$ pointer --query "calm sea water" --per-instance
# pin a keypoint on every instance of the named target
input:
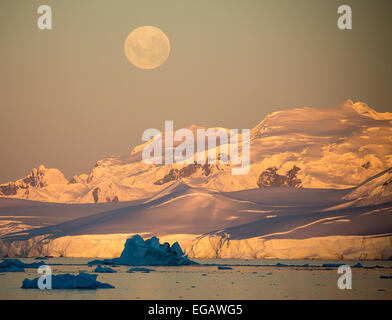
(248, 279)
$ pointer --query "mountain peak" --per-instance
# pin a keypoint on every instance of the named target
(38, 178)
(348, 103)
(364, 110)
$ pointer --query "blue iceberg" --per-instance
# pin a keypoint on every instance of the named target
(138, 252)
(143, 270)
(69, 281)
(15, 265)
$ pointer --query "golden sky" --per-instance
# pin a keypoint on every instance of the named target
(70, 97)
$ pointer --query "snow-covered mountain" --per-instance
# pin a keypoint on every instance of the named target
(275, 222)
(319, 186)
(375, 190)
(335, 147)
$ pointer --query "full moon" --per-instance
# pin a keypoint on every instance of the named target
(147, 47)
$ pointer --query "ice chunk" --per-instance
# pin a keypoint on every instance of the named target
(332, 265)
(224, 268)
(144, 270)
(138, 252)
(104, 270)
(15, 265)
(281, 265)
(358, 265)
(69, 281)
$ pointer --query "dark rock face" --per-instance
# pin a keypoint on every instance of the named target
(95, 193)
(175, 174)
(387, 183)
(73, 181)
(366, 165)
(34, 179)
(270, 178)
(9, 189)
(90, 178)
(114, 199)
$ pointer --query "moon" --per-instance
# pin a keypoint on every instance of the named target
(147, 47)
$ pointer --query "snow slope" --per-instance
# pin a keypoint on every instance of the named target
(335, 148)
(375, 190)
(284, 223)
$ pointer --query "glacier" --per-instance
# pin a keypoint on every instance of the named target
(275, 223)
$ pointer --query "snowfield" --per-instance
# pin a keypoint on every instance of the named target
(319, 187)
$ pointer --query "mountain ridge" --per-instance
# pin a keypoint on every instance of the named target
(337, 147)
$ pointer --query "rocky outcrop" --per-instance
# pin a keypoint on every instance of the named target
(366, 165)
(270, 178)
(113, 199)
(108, 195)
(175, 174)
(9, 189)
(95, 194)
(38, 178)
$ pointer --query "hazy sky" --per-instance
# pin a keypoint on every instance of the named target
(69, 96)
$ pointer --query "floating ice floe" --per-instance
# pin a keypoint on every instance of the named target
(15, 265)
(332, 265)
(70, 281)
(138, 252)
(143, 270)
(101, 269)
(306, 265)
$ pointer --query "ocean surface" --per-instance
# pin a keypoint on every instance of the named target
(248, 279)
